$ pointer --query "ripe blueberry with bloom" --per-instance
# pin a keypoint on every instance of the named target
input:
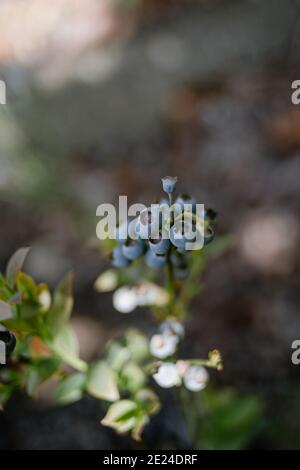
(182, 233)
(182, 273)
(185, 202)
(155, 261)
(160, 244)
(149, 222)
(119, 260)
(169, 184)
(165, 232)
(133, 249)
(208, 236)
(179, 259)
(121, 232)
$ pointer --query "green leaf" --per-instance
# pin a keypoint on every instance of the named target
(60, 312)
(219, 246)
(5, 394)
(39, 371)
(15, 264)
(5, 311)
(28, 310)
(101, 382)
(117, 355)
(118, 412)
(33, 380)
(6, 292)
(139, 427)
(65, 345)
(26, 285)
(133, 377)
(231, 420)
(137, 344)
(148, 400)
(125, 416)
(16, 299)
(70, 389)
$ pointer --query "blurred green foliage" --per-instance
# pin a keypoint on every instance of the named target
(223, 419)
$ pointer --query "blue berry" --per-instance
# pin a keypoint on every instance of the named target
(208, 235)
(182, 251)
(178, 259)
(133, 249)
(180, 263)
(184, 199)
(118, 258)
(181, 233)
(172, 327)
(210, 218)
(164, 201)
(149, 221)
(122, 232)
(169, 184)
(155, 261)
(210, 215)
(182, 273)
(160, 245)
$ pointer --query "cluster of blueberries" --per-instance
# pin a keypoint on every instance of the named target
(159, 237)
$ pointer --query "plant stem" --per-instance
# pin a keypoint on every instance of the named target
(170, 282)
(171, 286)
(188, 415)
(171, 212)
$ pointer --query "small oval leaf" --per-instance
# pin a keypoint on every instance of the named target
(65, 345)
(102, 383)
(15, 263)
(70, 389)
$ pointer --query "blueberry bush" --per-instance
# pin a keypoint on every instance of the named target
(157, 272)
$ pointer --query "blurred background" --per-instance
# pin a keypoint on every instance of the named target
(104, 97)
